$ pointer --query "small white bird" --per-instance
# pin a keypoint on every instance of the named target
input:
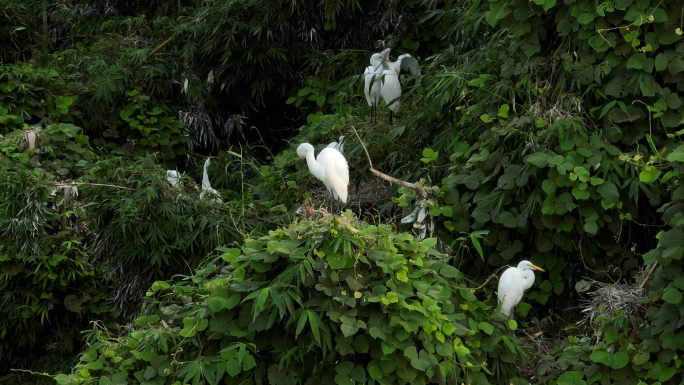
(339, 146)
(173, 177)
(372, 82)
(513, 283)
(206, 186)
(330, 167)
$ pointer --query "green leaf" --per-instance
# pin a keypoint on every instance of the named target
(649, 174)
(231, 255)
(485, 327)
(679, 282)
(591, 227)
(586, 18)
(538, 159)
(672, 296)
(609, 192)
(620, 360)
(160, 285)
(62, 379)
(602, 357)
(448, 328)
(677, 154)
(260, 302)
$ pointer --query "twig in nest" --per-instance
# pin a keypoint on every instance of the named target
(388, 178)
(309, 210)
(609, 298)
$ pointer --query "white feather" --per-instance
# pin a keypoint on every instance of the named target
(330, 167)
(513, 283)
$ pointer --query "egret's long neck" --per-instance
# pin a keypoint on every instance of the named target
(528, 276)
(315, 168)
(205, 176)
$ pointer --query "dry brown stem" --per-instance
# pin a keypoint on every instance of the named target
(648, 276)
(160, 46)
(388, 178)
(90, 184)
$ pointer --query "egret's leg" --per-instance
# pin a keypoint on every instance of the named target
(390, 119)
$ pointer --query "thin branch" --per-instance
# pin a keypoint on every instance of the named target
(388, 178)
(364, 147)
(160, 46)
(648, 276)
(91, 184)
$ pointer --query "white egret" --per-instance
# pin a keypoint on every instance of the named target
(339, 146)
(390, 89)
(330, 167)
(372, 81)
(206, 186)
(173, 177)
(513, 283)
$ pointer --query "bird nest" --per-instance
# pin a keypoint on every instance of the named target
(371, 195)
(608, 299)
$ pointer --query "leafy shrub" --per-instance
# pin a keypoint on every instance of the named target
(50, 290)
(314, 302)
(33, 95)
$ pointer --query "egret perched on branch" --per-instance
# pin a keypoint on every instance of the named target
(513, 283)
(372, 81)
(389, 87)
(390, 90)
(339, 146)
(330, 167)
(206, 186)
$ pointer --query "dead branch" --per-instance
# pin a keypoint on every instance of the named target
(63, 184)
(648, 276)
(388, 178)
(160, 46)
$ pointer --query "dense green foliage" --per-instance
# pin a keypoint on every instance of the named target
(330, 301)
(541, 130)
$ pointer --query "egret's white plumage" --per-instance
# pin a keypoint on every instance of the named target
(388, 87)
(339, 146)
(513, 283)
(206, 186)
(372, 81)
(391, 90)
(173, 177)
(330, 167)
(404, 64)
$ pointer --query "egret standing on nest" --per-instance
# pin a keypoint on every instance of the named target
(330, 167)
(513, 283)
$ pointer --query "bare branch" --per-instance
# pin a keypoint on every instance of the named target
(388, 178)
(90, 184)
(160, 46)
(648, 276)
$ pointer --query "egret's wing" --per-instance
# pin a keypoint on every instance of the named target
(336, 172)
(391, 90)
(409, 64)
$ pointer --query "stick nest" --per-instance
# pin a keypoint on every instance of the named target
(609, 298)
(371, 194)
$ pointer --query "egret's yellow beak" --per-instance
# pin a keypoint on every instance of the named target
(535, 267)
(397, 71)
